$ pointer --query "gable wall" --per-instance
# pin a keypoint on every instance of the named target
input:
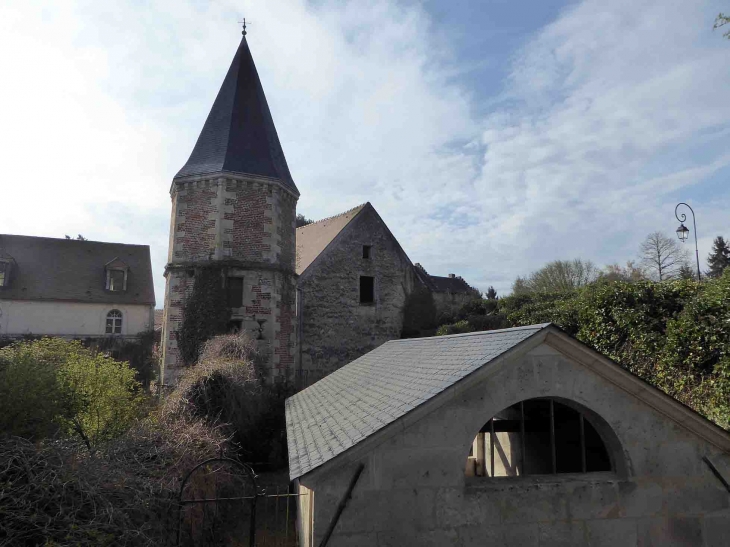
(414, 492)
(335, 327)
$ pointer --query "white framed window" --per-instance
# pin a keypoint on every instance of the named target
(114, 322)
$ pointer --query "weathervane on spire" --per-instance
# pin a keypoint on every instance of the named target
(244, 26)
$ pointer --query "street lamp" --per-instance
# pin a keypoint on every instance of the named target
(683, 231)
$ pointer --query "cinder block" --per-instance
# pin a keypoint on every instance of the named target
(562, 533)
(612, 533)
(663, 531)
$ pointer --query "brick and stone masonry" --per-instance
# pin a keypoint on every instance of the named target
(246, 225)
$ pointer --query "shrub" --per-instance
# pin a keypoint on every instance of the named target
(54, 383)
(226, 390)
(459, 327)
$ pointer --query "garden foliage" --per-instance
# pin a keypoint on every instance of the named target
(52, 386)
(673, 334)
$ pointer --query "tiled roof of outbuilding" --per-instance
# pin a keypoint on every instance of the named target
(373, 391)
(239, 134)
(67, 269)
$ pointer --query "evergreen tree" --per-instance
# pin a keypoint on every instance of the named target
(491, 293)
(719, 258)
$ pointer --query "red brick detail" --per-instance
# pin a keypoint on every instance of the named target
(194, 221)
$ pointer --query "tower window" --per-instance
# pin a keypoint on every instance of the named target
(367, 289)
(114, 322)
(366, 251)
(235, 292)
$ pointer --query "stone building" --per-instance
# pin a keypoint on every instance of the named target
(234, 210)
(74, 289)
(354, 278)
(449, 293)
(520, 437)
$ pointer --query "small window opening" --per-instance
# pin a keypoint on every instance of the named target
(537, 437)
(367, 289)
(235, 292)
(114, 322)
(4, 273)
(235, 326)
(366, 251)
(116, 280)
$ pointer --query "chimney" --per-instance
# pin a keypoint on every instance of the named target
(452, 276)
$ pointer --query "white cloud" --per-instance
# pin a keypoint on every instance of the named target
(588, 149)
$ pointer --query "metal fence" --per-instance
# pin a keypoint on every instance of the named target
(221, 503)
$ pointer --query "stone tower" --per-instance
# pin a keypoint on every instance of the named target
(234, 209)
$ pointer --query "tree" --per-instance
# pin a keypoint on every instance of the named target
(558, 276)
(491, 293)
(662, 256)
(722, 20)
(302, 220)
(77, 238)
(719, 258)
(629, 273)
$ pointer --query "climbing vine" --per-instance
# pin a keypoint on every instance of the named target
(205, 313)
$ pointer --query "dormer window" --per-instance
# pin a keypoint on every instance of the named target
(116, 275)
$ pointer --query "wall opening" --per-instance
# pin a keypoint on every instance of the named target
(538, 437)
(367, 289)
(234, 292)
(366, 251)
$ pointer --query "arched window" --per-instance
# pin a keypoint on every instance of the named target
(537, 437)
(114, 322)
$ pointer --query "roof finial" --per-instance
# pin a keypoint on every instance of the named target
(244, 26)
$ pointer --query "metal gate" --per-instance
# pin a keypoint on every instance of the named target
(221, 503)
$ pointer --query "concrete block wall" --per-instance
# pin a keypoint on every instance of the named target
(246, 226)
(414, 490)
(336, 328)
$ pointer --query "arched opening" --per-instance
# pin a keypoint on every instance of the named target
(540, 437)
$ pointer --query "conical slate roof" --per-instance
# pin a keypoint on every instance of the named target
(239, 135)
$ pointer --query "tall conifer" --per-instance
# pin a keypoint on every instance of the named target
(719, 258)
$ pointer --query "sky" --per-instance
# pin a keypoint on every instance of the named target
(491, 136)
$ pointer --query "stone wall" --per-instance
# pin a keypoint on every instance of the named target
(335, 327)
(245, 225)
(449, 303)
(414, 491)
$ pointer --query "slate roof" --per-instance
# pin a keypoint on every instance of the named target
(239, 134)
(313, 238)
(375, 390)
(66, 269)
(449, 284)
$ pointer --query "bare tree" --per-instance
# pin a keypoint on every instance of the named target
(558, 276)
(662, 257)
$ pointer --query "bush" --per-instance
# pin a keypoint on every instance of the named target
(226, 390)
(57, 493)
(54, 383)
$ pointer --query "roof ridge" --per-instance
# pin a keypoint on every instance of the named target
(538, 326)
(335, 216)
(76, 240)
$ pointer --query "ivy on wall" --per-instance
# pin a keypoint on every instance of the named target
(205, 313)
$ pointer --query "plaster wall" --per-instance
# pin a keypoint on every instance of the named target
(414, 490)
(335, 327)
(74, 319)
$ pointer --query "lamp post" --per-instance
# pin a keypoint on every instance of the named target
(683, 231)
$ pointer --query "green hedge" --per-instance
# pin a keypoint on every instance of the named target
(674, 334)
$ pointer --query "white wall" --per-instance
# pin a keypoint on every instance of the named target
(19, 317)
